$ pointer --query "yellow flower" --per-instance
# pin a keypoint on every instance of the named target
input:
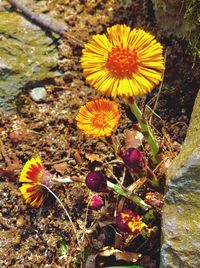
(98, 118)
(32, 176)
(124, 62)
(136, 224)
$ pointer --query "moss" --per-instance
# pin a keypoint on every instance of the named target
(192, 18)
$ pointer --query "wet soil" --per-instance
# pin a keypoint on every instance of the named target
(29, 236)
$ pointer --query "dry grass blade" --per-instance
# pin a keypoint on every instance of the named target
(120, 255)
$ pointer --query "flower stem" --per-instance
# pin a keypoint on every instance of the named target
(62, 180)
(150, 138)
(139, 201)
(66, 212)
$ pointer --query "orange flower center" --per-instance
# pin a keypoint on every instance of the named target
(122, 62)
(99, 121)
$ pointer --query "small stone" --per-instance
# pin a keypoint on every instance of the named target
(23, 221)
(17, 135)
(38, 93)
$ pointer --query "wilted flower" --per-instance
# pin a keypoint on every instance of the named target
(98, 118)
(33, 175)
(154, 198)
(134, 159)
(96, 181)
(96, 202)
(129, 222)
(124, 62)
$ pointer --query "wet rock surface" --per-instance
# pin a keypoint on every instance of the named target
(181, 229)
(27, 55)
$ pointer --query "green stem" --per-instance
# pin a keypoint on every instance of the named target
(150, 138)
(139, 201)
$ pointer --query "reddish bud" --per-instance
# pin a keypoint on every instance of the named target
(96, 202)
(122, 220)
(133, 158)
(96, 181)
(129, 222)
(154, 199)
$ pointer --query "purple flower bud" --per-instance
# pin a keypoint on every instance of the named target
(96, 181)
(96, 202)
(133, 158)
(129, 222)
(122, 220)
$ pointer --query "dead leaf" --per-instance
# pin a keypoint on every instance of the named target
(77, 155)
(120, 255)
(118, 240)
(127, 256)
(93, 157)
(61, 168)
(133, 138)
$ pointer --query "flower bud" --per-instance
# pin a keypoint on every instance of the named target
(133, 158)
(96, 202)
(122, 220)
(155, 199)
(96, 181)
(129, 222)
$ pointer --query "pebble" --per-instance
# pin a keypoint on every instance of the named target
(38, 93)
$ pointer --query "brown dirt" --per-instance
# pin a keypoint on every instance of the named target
(29, 236)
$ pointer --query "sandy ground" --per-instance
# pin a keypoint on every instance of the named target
(29, 236)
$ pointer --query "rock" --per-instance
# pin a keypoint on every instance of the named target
(181, 217)
(180, 18)
(27, 54)
(38, 93)
(169, 15)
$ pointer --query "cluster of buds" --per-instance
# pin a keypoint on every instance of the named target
(96, 182)
(154, 199)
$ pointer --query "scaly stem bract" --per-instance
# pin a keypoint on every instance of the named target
(150, 138)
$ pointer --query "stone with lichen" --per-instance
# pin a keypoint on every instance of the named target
(181, 218)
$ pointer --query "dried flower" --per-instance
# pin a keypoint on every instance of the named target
(154, 199)
(134, 159)
(124, 62)
(96, 181)
(98, 118)
(129, 222)
(96, 202)
(33, 175)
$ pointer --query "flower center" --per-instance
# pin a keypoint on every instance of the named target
(99, 120)
(122, 62)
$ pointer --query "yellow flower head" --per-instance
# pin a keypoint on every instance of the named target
(32, 176)
(136, 224)
(124, 62)
(98, 118)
